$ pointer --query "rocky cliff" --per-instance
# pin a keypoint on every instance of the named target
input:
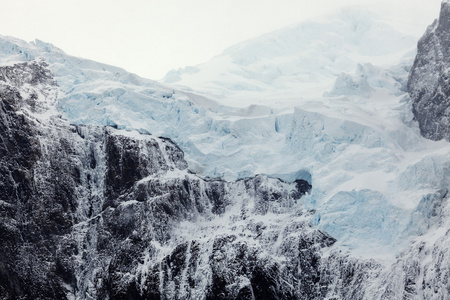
(95, 213)
(429, 80)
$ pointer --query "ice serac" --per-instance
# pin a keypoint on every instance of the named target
(429, 81)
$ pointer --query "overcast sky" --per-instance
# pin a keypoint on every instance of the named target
(151, 37)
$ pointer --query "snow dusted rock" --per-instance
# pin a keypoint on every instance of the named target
(95, 213)
(36, 214)
(429, 81)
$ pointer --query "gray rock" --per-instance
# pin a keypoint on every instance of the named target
(429, 80)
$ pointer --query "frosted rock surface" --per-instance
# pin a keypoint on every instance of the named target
(429, 82)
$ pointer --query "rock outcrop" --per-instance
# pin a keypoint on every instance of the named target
(429, 80)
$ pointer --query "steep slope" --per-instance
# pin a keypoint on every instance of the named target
(303, 59)
(428, 84)
(92, 212)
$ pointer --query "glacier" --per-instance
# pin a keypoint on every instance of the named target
(286, 106)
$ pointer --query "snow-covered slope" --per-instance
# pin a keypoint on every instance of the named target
(336, 115)
(301, 60)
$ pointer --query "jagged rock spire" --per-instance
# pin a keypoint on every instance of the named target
(429, 81)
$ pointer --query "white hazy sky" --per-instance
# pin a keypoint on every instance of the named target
(151, 37)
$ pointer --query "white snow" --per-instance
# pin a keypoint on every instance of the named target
(302, 60)
(322, 101)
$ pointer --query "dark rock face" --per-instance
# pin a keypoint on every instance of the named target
(95, 213)
(92, 212)
(34, 212)
(429, 80)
